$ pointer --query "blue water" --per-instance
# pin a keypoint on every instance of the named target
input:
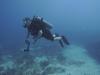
(79, 20)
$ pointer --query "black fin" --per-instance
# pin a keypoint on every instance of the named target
(26, 50)
(61, 43)
(65, 40)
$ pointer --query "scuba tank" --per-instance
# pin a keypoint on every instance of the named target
(44, 23)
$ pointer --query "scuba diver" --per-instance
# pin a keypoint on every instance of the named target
(37, 27)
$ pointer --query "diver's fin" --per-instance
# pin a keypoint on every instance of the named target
(61, 43)
(65, 40)
(26, 50)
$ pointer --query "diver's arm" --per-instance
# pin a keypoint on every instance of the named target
(39, 35)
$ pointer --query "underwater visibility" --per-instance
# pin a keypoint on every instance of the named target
(50, 37)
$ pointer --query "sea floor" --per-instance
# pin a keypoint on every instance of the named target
(73, 60)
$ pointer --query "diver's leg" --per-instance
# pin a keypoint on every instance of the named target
(65, 40)
(61, 43)
(28, 45)
(60, 39)
(57, 37)
(48, 35)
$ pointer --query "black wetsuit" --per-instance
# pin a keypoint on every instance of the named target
(47, 34)
(36, 26)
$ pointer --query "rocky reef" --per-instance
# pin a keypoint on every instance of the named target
(27, 64)
(72, 61)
